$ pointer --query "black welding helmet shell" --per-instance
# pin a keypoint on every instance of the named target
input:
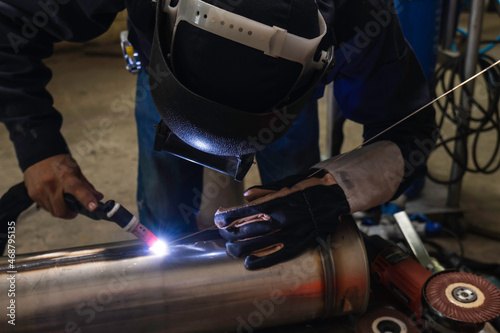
(237, 110)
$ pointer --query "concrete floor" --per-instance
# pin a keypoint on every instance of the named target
(92, 87)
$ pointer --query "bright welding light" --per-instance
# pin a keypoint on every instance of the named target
(160, 248)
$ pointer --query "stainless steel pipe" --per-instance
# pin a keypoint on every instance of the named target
(197, 287)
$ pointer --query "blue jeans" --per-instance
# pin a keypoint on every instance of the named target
(169, 188)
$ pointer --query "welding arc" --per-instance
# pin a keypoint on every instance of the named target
(385, 320)
(410, 115)
(464, 297)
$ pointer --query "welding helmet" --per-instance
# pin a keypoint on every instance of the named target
(229, 77)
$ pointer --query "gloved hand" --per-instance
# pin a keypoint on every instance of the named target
(50, 178)
(282, 219)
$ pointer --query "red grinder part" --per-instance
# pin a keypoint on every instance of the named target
(385, 320)
(463, 297)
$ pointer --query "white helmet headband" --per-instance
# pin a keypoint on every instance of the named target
(273, 41)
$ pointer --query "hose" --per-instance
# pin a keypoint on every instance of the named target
(485, 120)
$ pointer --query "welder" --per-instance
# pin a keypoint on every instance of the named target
(227, 81)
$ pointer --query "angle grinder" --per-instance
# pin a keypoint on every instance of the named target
(447, 301)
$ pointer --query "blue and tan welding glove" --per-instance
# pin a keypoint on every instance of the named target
(282, 219)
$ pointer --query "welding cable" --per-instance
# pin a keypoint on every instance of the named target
(483, 119)
(446, 258)
(449, 260)
(461, 254)
(492, 269)
(487, 121)
(15, 201)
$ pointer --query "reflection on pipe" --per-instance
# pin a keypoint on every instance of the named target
(197, 287)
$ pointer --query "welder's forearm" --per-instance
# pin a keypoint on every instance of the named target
(26, 107)
(369, 176)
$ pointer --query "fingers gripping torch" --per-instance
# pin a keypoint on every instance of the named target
(114, 212)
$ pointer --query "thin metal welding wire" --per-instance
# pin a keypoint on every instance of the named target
(408, 116)
(194, 234)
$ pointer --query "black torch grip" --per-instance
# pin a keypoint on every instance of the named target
(76, 206)
(104, 211)
(122, 217)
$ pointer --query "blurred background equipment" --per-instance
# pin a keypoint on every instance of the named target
(468, 119)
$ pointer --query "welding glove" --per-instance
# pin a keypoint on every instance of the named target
(282, 219)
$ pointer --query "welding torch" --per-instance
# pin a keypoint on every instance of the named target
(114, 212)
(16, 200)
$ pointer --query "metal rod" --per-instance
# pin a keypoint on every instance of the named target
(330, 118)
(193, 234)
(197, 287)
(449, 25)
(471, 58)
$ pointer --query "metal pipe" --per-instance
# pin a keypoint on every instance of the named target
(470, 65)
(449, 25)
(330, 118)
(197, 287)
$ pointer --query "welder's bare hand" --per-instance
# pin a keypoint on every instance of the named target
(282, 219)
(49, 179)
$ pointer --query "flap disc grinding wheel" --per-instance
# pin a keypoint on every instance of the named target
(463, 297)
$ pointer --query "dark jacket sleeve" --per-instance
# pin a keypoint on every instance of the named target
(28, 30)
(379, 81)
